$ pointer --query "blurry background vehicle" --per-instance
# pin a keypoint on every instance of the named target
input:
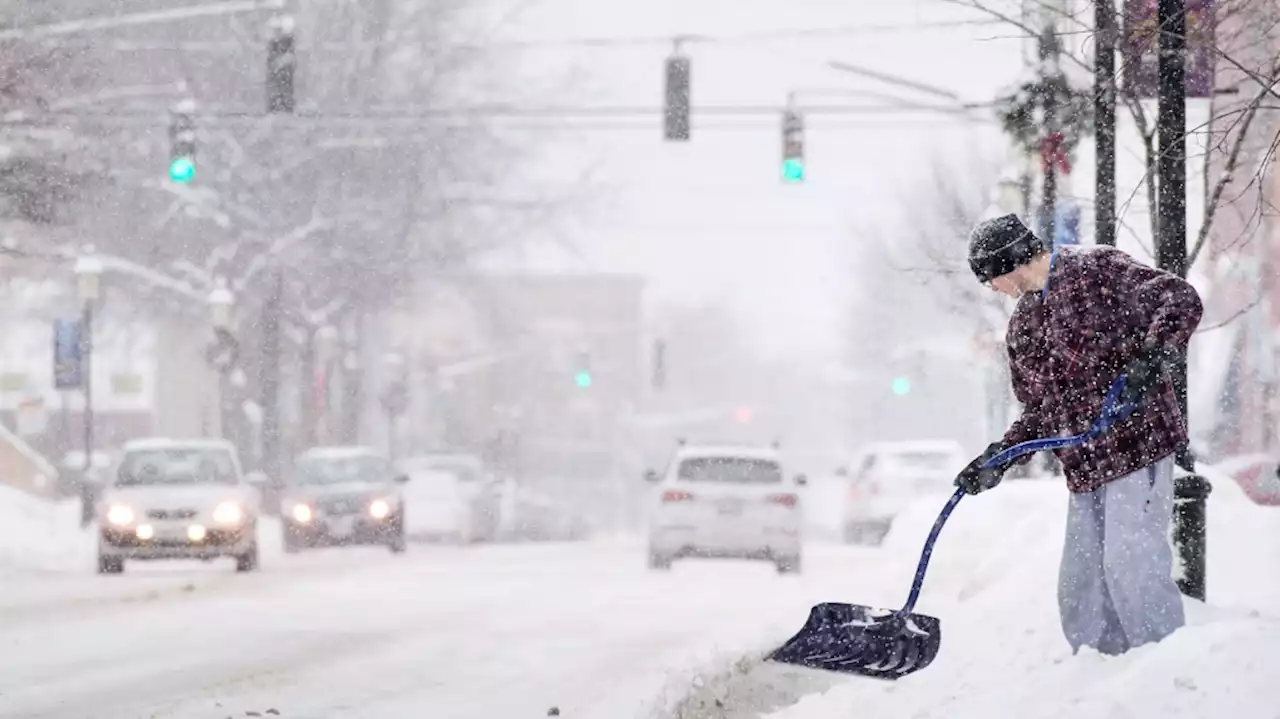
(178, 499)
(538, 517)
(343, 496)
(730, 502)
(452, 496)
(1257, 474)
(886, 476)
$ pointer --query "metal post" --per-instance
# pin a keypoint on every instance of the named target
(1050, 79)
(86, 369)
(1190, 489)
(1104, 112)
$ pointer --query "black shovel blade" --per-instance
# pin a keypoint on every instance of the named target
(876, 643)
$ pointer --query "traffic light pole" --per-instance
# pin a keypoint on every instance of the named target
(279, 91)
(1191, 490)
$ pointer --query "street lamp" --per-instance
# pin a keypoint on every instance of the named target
(88, 270)
(327, 343)
(221, 302)
(1009, 194)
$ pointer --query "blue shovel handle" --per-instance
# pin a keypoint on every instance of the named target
(1112, 411)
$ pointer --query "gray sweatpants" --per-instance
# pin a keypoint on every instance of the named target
(1115, 584)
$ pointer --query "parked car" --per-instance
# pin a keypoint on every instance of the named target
(451, 497)
(538, 517)
(343, 496)
(178, 499)
(888, 476)
(731, 502)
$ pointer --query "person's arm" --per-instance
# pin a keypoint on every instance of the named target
(1029, 424)
(1172, 305)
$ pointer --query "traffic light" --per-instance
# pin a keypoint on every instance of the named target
(676, 110)
(582, 377)
(792, 146)
(901, 385)
(742, 415)
(182, 142)
(281, 62)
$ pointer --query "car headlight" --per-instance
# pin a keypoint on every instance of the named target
(302, 513)
(120, 515)
(228, 513)
(379, 508)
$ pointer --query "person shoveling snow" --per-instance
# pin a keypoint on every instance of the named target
(1083, 317)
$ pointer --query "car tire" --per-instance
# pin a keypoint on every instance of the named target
(110, 565)
(248, 562)
(398, 543)
(788, 565)
(292, 543)
(660, 562)
(875, 535)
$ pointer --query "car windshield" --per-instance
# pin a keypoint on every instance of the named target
(921, 461)
(460, 469)
(734, 470)
(177, 466)
(340, 470)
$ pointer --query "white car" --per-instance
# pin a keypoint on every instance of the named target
(451, 496)
(731, 502)
(178, 499)
(890, 475)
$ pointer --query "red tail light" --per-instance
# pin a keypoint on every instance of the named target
(786, 500)
(676, 495)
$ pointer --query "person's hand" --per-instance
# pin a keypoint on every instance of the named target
(1143, 373)
(974, 479)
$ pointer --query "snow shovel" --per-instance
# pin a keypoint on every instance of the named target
(888, 644)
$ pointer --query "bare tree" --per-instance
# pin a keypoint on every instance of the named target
(38, 174)
(1247, 80)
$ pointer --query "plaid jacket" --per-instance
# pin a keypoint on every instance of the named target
(1065, 349)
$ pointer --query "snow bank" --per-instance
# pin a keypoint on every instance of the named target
(37, 534)
(993, 582)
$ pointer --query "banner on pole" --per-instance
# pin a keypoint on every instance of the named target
(67, 354)
(1139, 48)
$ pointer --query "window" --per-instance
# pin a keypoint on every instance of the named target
(734, 470)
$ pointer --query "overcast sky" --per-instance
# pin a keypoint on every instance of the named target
(710, 219)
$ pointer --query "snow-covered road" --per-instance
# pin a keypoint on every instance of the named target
(502, 631)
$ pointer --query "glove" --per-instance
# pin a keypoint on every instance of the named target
(1143, 373)
(973, 479)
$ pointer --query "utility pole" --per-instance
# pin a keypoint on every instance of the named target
(1104, 114)
(279, 99)
(1190, 490)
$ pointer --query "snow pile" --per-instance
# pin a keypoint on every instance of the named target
(37, 534)
(993, 582)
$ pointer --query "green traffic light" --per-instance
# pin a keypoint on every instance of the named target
(182, 169)
(793, 170)
(582, 379)
(901, 386)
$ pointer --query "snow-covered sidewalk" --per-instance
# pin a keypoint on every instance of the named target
(993, 582)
